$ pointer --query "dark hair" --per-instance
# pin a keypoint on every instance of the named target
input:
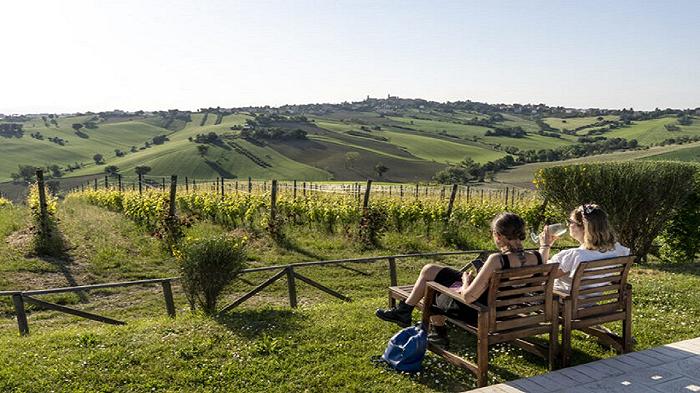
(509, 225)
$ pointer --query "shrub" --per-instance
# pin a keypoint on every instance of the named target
(47, 240)
(680, 240)
(373, 223)
(5, 203)
(208, 266)
(639, 197)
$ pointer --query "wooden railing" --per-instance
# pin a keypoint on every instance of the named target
(20, 297)
(288, 271)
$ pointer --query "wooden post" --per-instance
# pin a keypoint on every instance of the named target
(468, 192)
(442, 192)
(119, 179)
(173, 192)
(21, 314)
(162, 187)
(304, 188)
(187, 184)
(416, 190)
(95, 184)
(42, 199)
(401, 191)
(216, 185)
(194, 184)
(295, 189)
(506, 197)
(223, 192)
(365, 202)
(168, 294)
(452, 202)
(250, 185)
(392, 279)
(273, 201)
(140, 184)
(292, 286)
(482, 195)
(106, 183)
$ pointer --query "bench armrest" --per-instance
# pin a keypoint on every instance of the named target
(456, 296)
(561, 295)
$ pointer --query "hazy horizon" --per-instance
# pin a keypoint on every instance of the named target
(85, 55)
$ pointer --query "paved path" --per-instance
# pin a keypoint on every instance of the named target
(668, 369)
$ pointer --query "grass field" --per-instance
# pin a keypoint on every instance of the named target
(264, 345)
(418, 142)
(575, 122)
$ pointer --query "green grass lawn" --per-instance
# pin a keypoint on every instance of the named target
(323, 345)
(575, 122)
(648, 132)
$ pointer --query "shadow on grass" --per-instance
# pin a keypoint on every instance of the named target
(439, 374)
(254, 323)
(291, 245)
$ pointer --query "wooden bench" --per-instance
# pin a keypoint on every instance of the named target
(521, 305)
(599, 294)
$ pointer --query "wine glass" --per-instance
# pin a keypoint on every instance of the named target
(557, 230)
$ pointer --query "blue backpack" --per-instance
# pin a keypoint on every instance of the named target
(406, 349)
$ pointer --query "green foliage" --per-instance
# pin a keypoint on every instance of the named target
(372, 225)
(208, 266)
(47, 239)
(680, 240)
(639, 197)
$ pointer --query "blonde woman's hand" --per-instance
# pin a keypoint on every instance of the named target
(546, 237)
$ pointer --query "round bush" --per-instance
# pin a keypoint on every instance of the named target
(639, 197)
(208, 266)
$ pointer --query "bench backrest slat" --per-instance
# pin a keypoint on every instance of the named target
(596, 283)
(521, 298)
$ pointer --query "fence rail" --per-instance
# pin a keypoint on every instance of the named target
(288, 271)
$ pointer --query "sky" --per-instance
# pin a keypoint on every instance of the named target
(64, 56)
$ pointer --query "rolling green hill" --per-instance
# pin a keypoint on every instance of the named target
(413, 138)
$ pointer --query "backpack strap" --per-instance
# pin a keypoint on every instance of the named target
(505, 262)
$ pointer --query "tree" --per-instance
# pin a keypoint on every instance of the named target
(203, 150)
(55, 170)
(77, 127)
(351, 158)
(26, 173)
(381, 169)
(142, 169)
(112, 170)
(99, 158)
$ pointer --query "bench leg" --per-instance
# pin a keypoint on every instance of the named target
(554, 338)
(627, 324)
(566, 335)
(482, 350)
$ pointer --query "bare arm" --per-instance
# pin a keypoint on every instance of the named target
(546, 242)
(471, 291)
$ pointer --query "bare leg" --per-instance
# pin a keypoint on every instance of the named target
(428, 273)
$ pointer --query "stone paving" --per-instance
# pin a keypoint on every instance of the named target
(668, 369)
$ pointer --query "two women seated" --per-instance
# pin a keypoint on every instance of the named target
(588, 225)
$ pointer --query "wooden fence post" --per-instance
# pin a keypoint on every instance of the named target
(303, 187)
(95, 184)
(223, 192)
(292, 286)
(250, 185)
(392, 279)
(401, 191)
(21, 314)
(295, 189)
(365, 202)
(106, 183)
(187, 184)
(416, 190)
(42, 200)
(506, 197)
(168, 295)
(140, 184)
(119, 179)
(173, 192)
(194, 184)
(273, 202)
(162, 187)
(452, 202)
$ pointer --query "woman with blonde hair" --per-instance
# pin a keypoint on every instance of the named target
(588, 225)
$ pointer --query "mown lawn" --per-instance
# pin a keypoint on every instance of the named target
(323, 345)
